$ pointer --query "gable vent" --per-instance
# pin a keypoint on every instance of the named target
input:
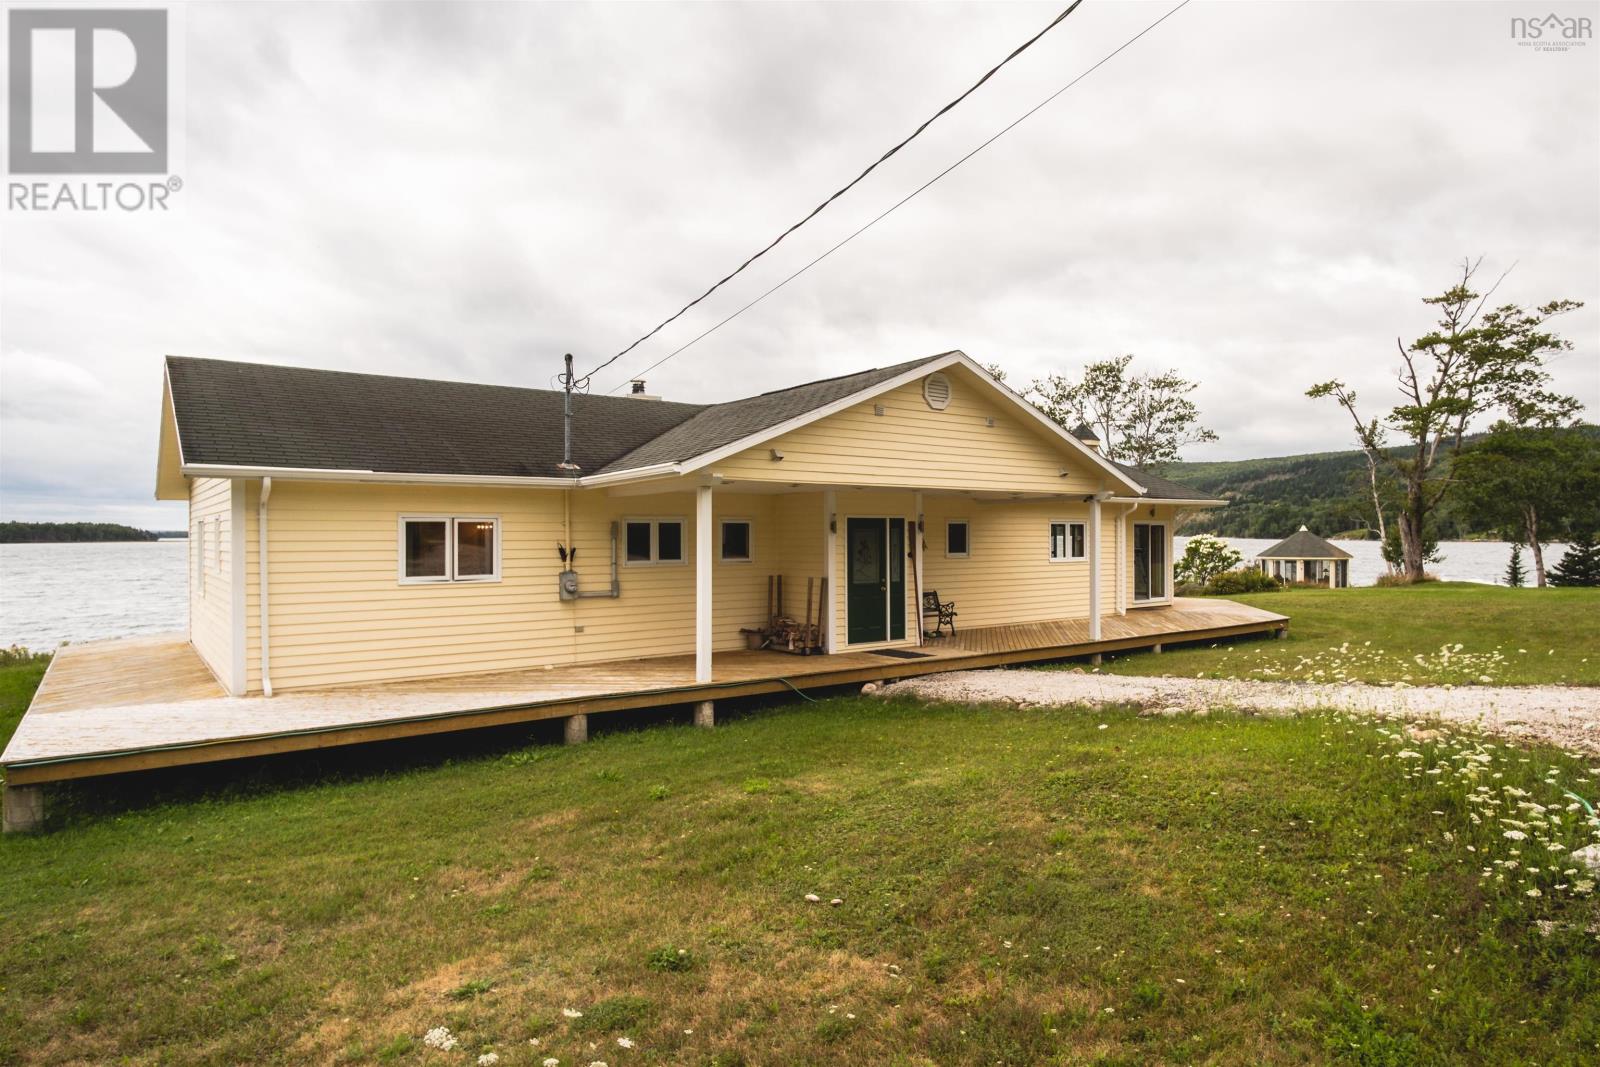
(936, 391)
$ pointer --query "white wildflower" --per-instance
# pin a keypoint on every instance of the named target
(624, 1042)
(440, 1038)
(551, 1061)
(1534, 893)
(1514, 835)
(488, 1059)
(572, 1013)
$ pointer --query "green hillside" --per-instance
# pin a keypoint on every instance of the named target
(1327, 491)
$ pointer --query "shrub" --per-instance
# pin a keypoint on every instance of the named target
(1392, 580)
(1205, 557)
(1232, 583)
(17, 656)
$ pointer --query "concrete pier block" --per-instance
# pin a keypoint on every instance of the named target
(1283, 633)
(1156, 648)
(577, 729)
(1096, 659)
(705, 713)
(23, 808)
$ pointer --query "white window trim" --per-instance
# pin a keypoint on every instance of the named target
(1050, 547)
(216, 543)
(655, 522)
(449, 576)
(750, 540)
(957, 555)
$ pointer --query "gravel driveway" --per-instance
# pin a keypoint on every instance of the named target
(1567, 716)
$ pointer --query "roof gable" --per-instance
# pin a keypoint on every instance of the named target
(1303, 544)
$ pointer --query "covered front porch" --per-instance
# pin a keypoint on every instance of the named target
(111, 707)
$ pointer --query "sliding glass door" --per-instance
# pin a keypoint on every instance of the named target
(1149, 561)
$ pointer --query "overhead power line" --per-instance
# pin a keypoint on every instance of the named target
(905, 199)
(1021, 48)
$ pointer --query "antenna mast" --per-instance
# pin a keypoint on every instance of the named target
(566, 419)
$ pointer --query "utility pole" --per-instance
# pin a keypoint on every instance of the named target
(566, 418)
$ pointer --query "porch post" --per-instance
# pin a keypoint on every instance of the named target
(702, 584)
(1333, 571)
(830, 568)
(918, 545)
(1094, 568)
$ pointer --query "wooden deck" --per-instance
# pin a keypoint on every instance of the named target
(141, 703)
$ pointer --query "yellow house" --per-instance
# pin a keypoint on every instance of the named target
(357, 529)
(374, 557)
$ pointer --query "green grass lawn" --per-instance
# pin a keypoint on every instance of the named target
(1506, 637)
(1018, 887)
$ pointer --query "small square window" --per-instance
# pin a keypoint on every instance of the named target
(638, 542)
(474, 548)
(736, 541)
(669, 542)
(1068, 541)
(428, 549)
(956, 540)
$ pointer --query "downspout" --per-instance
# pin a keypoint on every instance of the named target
(261, 582)
(1122, 557)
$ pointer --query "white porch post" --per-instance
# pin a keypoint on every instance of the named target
(702, 584)
(919, 546)
(1333, 569)
(1094, 568)
(830, 568)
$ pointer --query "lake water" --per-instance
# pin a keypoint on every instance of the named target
(81, 592)
(1464, 561)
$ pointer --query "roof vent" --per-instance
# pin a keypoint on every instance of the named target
(936, 391)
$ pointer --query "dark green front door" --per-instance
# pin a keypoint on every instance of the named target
(876, 597)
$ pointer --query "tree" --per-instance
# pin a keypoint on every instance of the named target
(1516, 576)
(1476, 360)
(1394, 553)
(1141, 419)
(1205, 557)
(1530, 484)
(1581, 564)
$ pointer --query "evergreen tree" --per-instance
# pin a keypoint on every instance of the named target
(1581, 564)
(1515, 575)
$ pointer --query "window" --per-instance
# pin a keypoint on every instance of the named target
(449, 549)
(956, 543)
(1067, 541)
(735, 541)
(653, 540)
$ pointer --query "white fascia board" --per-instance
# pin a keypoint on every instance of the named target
(1163, 500)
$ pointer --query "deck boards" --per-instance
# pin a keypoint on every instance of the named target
(137, 703)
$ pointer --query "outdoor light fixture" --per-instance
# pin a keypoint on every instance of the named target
(777, 456)
(989, 422)
(877, 409)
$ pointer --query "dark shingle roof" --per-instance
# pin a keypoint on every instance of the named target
(1303, 544)
(256, 415)
(1161, 488)
(723, 424)
(260, 415)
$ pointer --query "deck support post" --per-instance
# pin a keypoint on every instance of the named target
(1156, 648)
(702, 583)
(1283, 633)
(1095, 660)
(23, 808)
(577, 729)
(1094, 567)
(705, 713)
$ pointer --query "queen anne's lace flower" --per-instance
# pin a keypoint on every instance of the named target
(440, 1038)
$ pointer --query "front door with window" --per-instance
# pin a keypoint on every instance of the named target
(1149, 561)
(875, 598)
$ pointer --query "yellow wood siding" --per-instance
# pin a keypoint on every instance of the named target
(912, 445)
(211, 552)
(339, 613)
(1008, 576)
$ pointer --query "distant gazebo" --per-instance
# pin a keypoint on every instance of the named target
(1305, 557)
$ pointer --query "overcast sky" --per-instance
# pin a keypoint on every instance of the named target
(1255, 194)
